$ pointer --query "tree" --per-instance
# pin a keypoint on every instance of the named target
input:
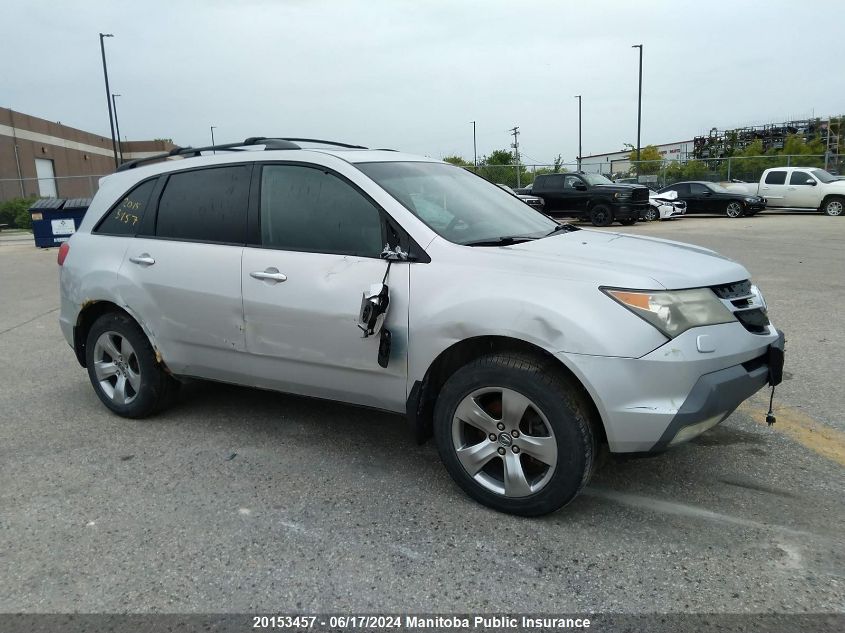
(650, 159)
(500, 167)
(457, 160)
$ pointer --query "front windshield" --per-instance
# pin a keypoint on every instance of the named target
(456, 204)
(822, 175)
(717, 188)
(597, 179)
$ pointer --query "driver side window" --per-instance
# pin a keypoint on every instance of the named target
(571, 182)
(308, 209)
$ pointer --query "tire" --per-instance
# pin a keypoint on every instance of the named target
(735, 209)
(123, 369)
(554, 426)
(651, 214)
(628, 222)
(600, 215)
(834, 206)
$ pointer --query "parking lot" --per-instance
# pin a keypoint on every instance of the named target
(237, 500)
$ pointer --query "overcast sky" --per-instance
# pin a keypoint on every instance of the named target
(413, 75)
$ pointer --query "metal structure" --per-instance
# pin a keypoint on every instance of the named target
(639, 100)
(724, 143)
(579, 131)
(515, 133)
(117, 125)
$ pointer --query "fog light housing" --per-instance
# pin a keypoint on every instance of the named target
(694, 430)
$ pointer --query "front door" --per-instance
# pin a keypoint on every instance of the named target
(320, 241)
(802, 191)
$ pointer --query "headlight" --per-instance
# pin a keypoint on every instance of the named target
(673, 311)
(622, 195)
(751, 199)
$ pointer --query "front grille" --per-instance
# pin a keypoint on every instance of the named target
(745, 303)
(640, 194)
(733, 291)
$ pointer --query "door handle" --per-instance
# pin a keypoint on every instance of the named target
(270, 274)
(143, 259)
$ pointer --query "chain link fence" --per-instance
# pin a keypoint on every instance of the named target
(660, 173)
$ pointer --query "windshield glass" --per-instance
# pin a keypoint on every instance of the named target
(596, 179)
(506, 188)
(822, 175)
(717, 188)
(456, 204)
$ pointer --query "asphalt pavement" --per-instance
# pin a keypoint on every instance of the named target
(238, 500)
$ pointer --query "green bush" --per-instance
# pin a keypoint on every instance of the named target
(15, 212)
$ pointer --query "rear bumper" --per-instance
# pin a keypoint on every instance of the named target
(676, 392)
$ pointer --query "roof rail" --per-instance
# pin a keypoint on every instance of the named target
(269, 143)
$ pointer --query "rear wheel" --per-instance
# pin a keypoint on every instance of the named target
(734, 209)
(600, 215)
(834, 206)
(123, 369)
(515, 434)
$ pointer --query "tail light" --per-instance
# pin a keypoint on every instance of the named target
(64, 249)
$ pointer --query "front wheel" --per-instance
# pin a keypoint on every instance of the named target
(835, 206)
(515, 434)
(600, 215)
(651, 214)
(734, 209)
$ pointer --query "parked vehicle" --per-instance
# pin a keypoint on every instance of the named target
(526, 190)
(663, 206)
(806, 188)
(709, 197)
(590, 196)
(532, 201)
(402, 283)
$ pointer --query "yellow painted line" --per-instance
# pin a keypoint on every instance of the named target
(799, 426)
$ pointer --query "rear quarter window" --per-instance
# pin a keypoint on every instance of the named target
(125, 217)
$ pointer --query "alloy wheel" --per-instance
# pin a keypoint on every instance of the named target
(504, 441)
(116, 367)
(734, 210)
(834, 207)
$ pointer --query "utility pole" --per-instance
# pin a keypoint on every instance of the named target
(117, 126)
(579, 131)
(474, 147)
(639, 106)
(515, 132)
(213, 127)
(108, 97)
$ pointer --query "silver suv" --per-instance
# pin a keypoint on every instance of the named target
(407, 284)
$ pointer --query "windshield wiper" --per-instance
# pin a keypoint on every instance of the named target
(507, 240)
(566, 226)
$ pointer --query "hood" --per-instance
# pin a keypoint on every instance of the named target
(627, 260)
(620, 187)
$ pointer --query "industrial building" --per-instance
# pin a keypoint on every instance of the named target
(619, 162)
(48, 159)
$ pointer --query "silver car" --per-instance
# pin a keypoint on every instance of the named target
(406, 284)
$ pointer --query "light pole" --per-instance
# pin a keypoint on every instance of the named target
(639, 105)
(213, 127)
(108, 96)
(117, 126)
(579, 131)
(474, 149)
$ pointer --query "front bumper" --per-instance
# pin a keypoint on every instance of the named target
(629, 211)
(677, 392)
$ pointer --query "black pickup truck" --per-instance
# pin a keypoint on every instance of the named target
(590, 196)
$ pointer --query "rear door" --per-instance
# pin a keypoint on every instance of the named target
(181, 275)
(701, 197)
(315, 252)
(773, 188)
(550, 188)
(802, 190)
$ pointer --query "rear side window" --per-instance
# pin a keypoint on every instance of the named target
(206, 205)
(307, 209)
(696, 188)
(776, 178)
(125, 218)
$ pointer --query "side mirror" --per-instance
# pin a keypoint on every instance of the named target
(810, 182)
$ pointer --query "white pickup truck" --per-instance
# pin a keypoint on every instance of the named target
(798, 188)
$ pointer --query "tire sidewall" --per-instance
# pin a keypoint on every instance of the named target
(741, 212)
(151, 383)
(827, 204)
(601, 210)
(575, 450)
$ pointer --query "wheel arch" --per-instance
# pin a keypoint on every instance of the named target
(88, 315)
(421, 401)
